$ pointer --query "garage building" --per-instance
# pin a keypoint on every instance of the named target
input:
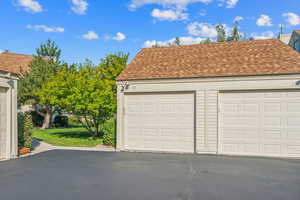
(234, 98)
(10, 65)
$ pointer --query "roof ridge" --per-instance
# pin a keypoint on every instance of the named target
(20, 54)
(213, 43)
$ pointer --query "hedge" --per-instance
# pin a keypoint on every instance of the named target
(109, 136)
(25, 127)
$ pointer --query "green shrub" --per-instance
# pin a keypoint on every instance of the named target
(73, 122)
(60, 121)
(37, 119)
(109, 136)
(25, 127)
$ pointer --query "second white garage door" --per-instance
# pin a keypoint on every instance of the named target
(263, 123)
(159, 122)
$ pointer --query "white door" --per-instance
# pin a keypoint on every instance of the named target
(3, 130)
(159, 122)
(263, 123)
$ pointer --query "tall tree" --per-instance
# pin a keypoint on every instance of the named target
(177, 41)
(155, 45)
(221, 37)
(235, 34)
(87, 91)
(46, 64)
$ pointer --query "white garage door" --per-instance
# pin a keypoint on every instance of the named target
(265, 123)
(159, 122)
(3, 131)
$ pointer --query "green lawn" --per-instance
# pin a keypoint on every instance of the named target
(69, 137)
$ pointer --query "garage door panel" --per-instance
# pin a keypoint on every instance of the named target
(293, 134)
(293, 150)
(268, 126)
(293, 94)
(272, 148)
(272, 107)
(250, 147)
(272, 121)
(240, 120)
(293, 107)
(162, 122)
(271, 134)
(293, 120)
(251, 107)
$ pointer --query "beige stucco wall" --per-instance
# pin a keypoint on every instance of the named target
(8, 120)
(207, 98)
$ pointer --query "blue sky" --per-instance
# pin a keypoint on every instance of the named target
(93, 28)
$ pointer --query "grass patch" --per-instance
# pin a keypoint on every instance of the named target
(69, 137)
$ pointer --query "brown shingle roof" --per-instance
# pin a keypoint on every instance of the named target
(254, 57)
(10, 62)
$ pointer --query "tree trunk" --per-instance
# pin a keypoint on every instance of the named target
(97, 132)
(47, 118)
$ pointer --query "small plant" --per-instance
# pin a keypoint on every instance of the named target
(25, 127)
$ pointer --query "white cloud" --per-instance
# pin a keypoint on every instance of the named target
(183, 41)
(264, 20)
(202, 29)
(119, 36)
(30, 6)
(45, 28)
(231, 3)
(134, 4)
(264, 35)
(169, 15)
(228, 3)
(238, 19)
(1, 51)
(292, 18)
(90, 35)
(179, 4)
(79, 7)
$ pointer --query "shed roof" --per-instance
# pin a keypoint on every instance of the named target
(252, 57)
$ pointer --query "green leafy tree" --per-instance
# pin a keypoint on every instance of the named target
(221, 37)
(206, 41)
(87, 91)
(46, 64)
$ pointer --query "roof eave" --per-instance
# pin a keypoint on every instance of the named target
(206, 77)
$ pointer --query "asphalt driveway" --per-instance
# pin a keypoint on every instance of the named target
(74, 175)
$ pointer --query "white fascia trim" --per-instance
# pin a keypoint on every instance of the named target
(211, 79)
